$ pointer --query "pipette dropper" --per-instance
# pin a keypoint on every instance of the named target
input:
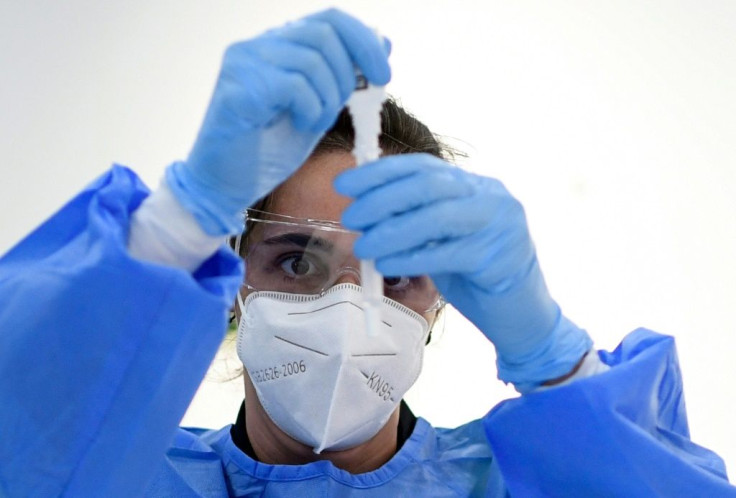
(365, 106)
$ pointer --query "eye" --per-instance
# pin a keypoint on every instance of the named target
(297, 266)
(396, 283)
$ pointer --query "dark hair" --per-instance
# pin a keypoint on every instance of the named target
(401, 133)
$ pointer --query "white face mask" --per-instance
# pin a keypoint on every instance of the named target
(319, 376)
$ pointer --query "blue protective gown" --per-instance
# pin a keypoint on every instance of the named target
(100, 355)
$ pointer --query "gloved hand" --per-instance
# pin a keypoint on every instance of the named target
(420, 215)
(275, 97)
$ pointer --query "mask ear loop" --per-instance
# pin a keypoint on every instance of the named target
(239, 297)
(238, 240)
(241, 305)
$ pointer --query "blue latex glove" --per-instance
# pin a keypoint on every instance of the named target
(421, 215)
(275, 97)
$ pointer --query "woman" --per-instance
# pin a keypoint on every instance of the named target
(131, 292)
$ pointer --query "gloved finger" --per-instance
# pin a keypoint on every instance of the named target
(386, 45)
(365, 48)
(451, 256)
(321, 36)
(304, 105)
(408, 193)
(429, 224)
(357, 181)
(490, 259)
(311, 65)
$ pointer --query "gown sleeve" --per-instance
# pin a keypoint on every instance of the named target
(623, 432)
(100, 354)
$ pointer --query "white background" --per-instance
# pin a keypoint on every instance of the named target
(613, 122)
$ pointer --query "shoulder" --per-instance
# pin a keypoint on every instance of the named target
(192, 466)
(465, 440)
(461, 456)
(464, 443)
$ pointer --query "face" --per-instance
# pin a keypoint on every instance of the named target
(308, 193)
(308, 259)
(276, 254)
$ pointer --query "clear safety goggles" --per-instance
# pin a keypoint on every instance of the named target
(308, 256)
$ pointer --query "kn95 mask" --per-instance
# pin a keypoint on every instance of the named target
(321, 378)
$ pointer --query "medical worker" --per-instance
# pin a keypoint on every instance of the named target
(113, 309)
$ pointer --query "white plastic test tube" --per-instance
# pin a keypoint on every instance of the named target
(365, 109)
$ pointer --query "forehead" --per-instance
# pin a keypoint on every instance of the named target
(309, 193)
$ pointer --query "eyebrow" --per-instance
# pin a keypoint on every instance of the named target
(302, 240)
